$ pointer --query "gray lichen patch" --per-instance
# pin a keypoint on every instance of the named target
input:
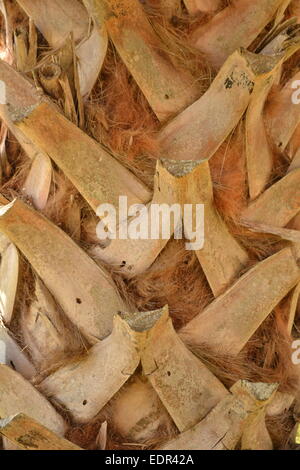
(19, 114)
(261, 391)
(180, 168)
(142, 321)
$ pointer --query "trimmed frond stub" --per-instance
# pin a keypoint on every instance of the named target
(13, 356)
(27, 434)
(228, 323)
(235, 26)
(257, 144)
(88, 296)
(278, 204)
(223, 427)
(198, 132)
(9, 276)
(222, 257)
(85, 386)
(167, 89)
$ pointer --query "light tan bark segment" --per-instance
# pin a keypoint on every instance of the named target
(13, 356)
(222, 428)
(282, 115)
(258, 151)
(222, 258)
(167, 90)
(56, 19)
(235, 26)
(229, 322)
(87, 295)
(198, 132)
(27, 434)
(45, 331)
(19, 396)
(38, 182)
(9, 276)
(278, 204)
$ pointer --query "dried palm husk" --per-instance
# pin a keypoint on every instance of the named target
(284, 233)
(229, 322)
(27, 434)
(56, 19)
(13, 356)
(282, 116)
(20, 42)
(222, 258)
(25, 42)
(101, 440)
(257, 140)
(19, 396)
(199, 131)
(45, 332)
(90, 55)
(223, 427)
(166, 89)
(88, 297)
(278, 204)
(235, 26)
(9, 276)
(38, 182)
(5, 167)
